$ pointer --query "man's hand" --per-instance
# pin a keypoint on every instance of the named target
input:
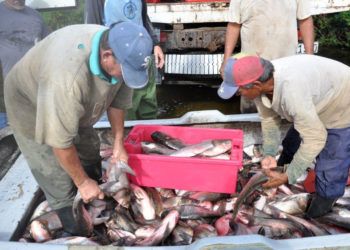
(89, 190)
(159, 56)
(119, 152)
(275, 179)
(268, 162)
(222, 69)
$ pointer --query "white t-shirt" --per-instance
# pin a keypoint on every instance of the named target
(269, 27)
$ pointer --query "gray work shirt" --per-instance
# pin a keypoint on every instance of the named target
(313, 93)
(58, 87)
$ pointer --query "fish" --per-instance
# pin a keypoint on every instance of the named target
(167, 140)
(181, 235)
(145, 231)
(81, 215)
(204, 231)
(193, 212)
(42, 227)
(142, 203)
(73, 240)
(194, 149)
(220, 147)
(155, 148)
(292, 204)
(121, 237)
(312, 230)
(254, 182)
(222, 225)
(208, 196)
(41, 209)
(117, 172)
(39, 231)
(339, 217)
(162, 232)
(121, 219)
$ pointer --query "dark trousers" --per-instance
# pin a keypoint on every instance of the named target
(332, 164)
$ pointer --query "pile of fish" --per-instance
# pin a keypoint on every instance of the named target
(131, 215)
(164, 144)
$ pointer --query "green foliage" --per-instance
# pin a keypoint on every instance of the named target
(333, 30)
(59, 18)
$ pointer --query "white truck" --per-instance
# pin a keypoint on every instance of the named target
(192, 33)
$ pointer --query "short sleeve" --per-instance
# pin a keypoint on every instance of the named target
(123, 98)
(234, 13)
(304, 9)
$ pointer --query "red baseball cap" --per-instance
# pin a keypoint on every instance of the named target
(239, 72)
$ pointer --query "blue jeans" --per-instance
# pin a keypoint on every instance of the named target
(3, 120)
(332, 164)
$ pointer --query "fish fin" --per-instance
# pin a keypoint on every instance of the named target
(126, 168)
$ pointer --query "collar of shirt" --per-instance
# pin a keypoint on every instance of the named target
(94, 60)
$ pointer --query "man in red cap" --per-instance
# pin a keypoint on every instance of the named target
(312, 93)
(268, 28)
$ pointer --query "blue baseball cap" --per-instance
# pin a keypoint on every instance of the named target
(239, 72)
(132, 46)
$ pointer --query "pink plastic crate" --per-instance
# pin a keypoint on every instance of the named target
(197, 174)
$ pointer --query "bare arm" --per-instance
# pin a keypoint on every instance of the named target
(69, 160)
(306, 27)
(232, 35)
(116, 118)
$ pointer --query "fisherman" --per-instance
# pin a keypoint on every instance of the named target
(144, 100)
(20, 28)
(269, 29)
(312, 93)
(55, 94)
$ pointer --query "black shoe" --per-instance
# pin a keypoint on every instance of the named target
(319, 206)
(70, 225)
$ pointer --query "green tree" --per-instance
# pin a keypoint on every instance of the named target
(333, 30)
(59, 18)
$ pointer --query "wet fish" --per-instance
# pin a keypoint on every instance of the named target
(204, 231)
(193, 212)
(142, 203)
(145, 231)
(39, 231)
(339, 217)
(117, 172)
(121, 237)
(181, 235)
(222, 225)
(42, 227)
(73, 240)
(194, 149)
(41, 209)
(292, 204)
(81, 215)
(121, 219)
(162, 232)
(311, 228)
(208, 196)
(254, 182)
(167, 140)
(220, 147)
(155, 148)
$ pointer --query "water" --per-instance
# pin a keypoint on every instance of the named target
(176, 100)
